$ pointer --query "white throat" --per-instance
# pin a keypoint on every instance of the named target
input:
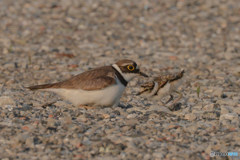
(127, 76)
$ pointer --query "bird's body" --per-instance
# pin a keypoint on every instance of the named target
(101, 86)
(108, 96)
(162, 86)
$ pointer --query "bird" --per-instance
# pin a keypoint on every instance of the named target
(163, 86)
(102, 86)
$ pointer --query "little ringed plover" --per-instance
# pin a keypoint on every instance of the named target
(102, 86)
(163, 86)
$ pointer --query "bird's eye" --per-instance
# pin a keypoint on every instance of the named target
(130, 67)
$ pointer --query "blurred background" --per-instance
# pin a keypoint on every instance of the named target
(76, 35)
(197, 33)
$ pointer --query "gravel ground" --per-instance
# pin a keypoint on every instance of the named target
(48, 41)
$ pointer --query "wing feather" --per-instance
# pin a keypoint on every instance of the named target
(95, 79)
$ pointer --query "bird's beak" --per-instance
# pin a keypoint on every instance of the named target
(142, 74)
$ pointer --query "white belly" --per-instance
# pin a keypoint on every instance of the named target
(176, 84)
(168, 89)
(109, 96)
(163, 92)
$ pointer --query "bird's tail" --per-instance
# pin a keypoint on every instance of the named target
(43, 86)
(181, 73)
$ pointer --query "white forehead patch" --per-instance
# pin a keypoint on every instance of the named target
(126, 64)
(127, 76)
(117, 68)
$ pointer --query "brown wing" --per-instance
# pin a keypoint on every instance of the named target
(148, 85)
(162, 80)
(95, 79)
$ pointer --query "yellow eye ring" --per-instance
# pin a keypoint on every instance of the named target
(130, 67)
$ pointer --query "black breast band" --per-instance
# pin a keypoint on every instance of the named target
(120, 77)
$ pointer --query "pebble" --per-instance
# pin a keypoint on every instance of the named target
(131, 116)
(6, 100)
(158, 155)
(224, 110)
(233, 117)
(158, 108)
(218, 92)
(210, 107)
(190, 116)
(230, 102)
(147, 156)
(237, 109)
(30, 142)
(106, 116)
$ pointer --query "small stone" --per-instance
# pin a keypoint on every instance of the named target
(210, 107)
(132, 121)
(101, 149)
(233, 117)
(133, 83)
(192, 128)
(237, 71)
(30, 142)
(131, 116)
(10, 66)
(126, 128)
(208, 149)
(147, 156)
(230, 102)
(190, 116)
(116, 112)
(21, 138)
(106, 116)
(193, 100)
(36, 67)
(237, 109)
(158, 155)
(50, 122)
(139, 156)
(5, 51)
(218, 92)
(224, 110)
(8, 107)
(61, 104)
(131, 145)
(158, 108)
(6, 100)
